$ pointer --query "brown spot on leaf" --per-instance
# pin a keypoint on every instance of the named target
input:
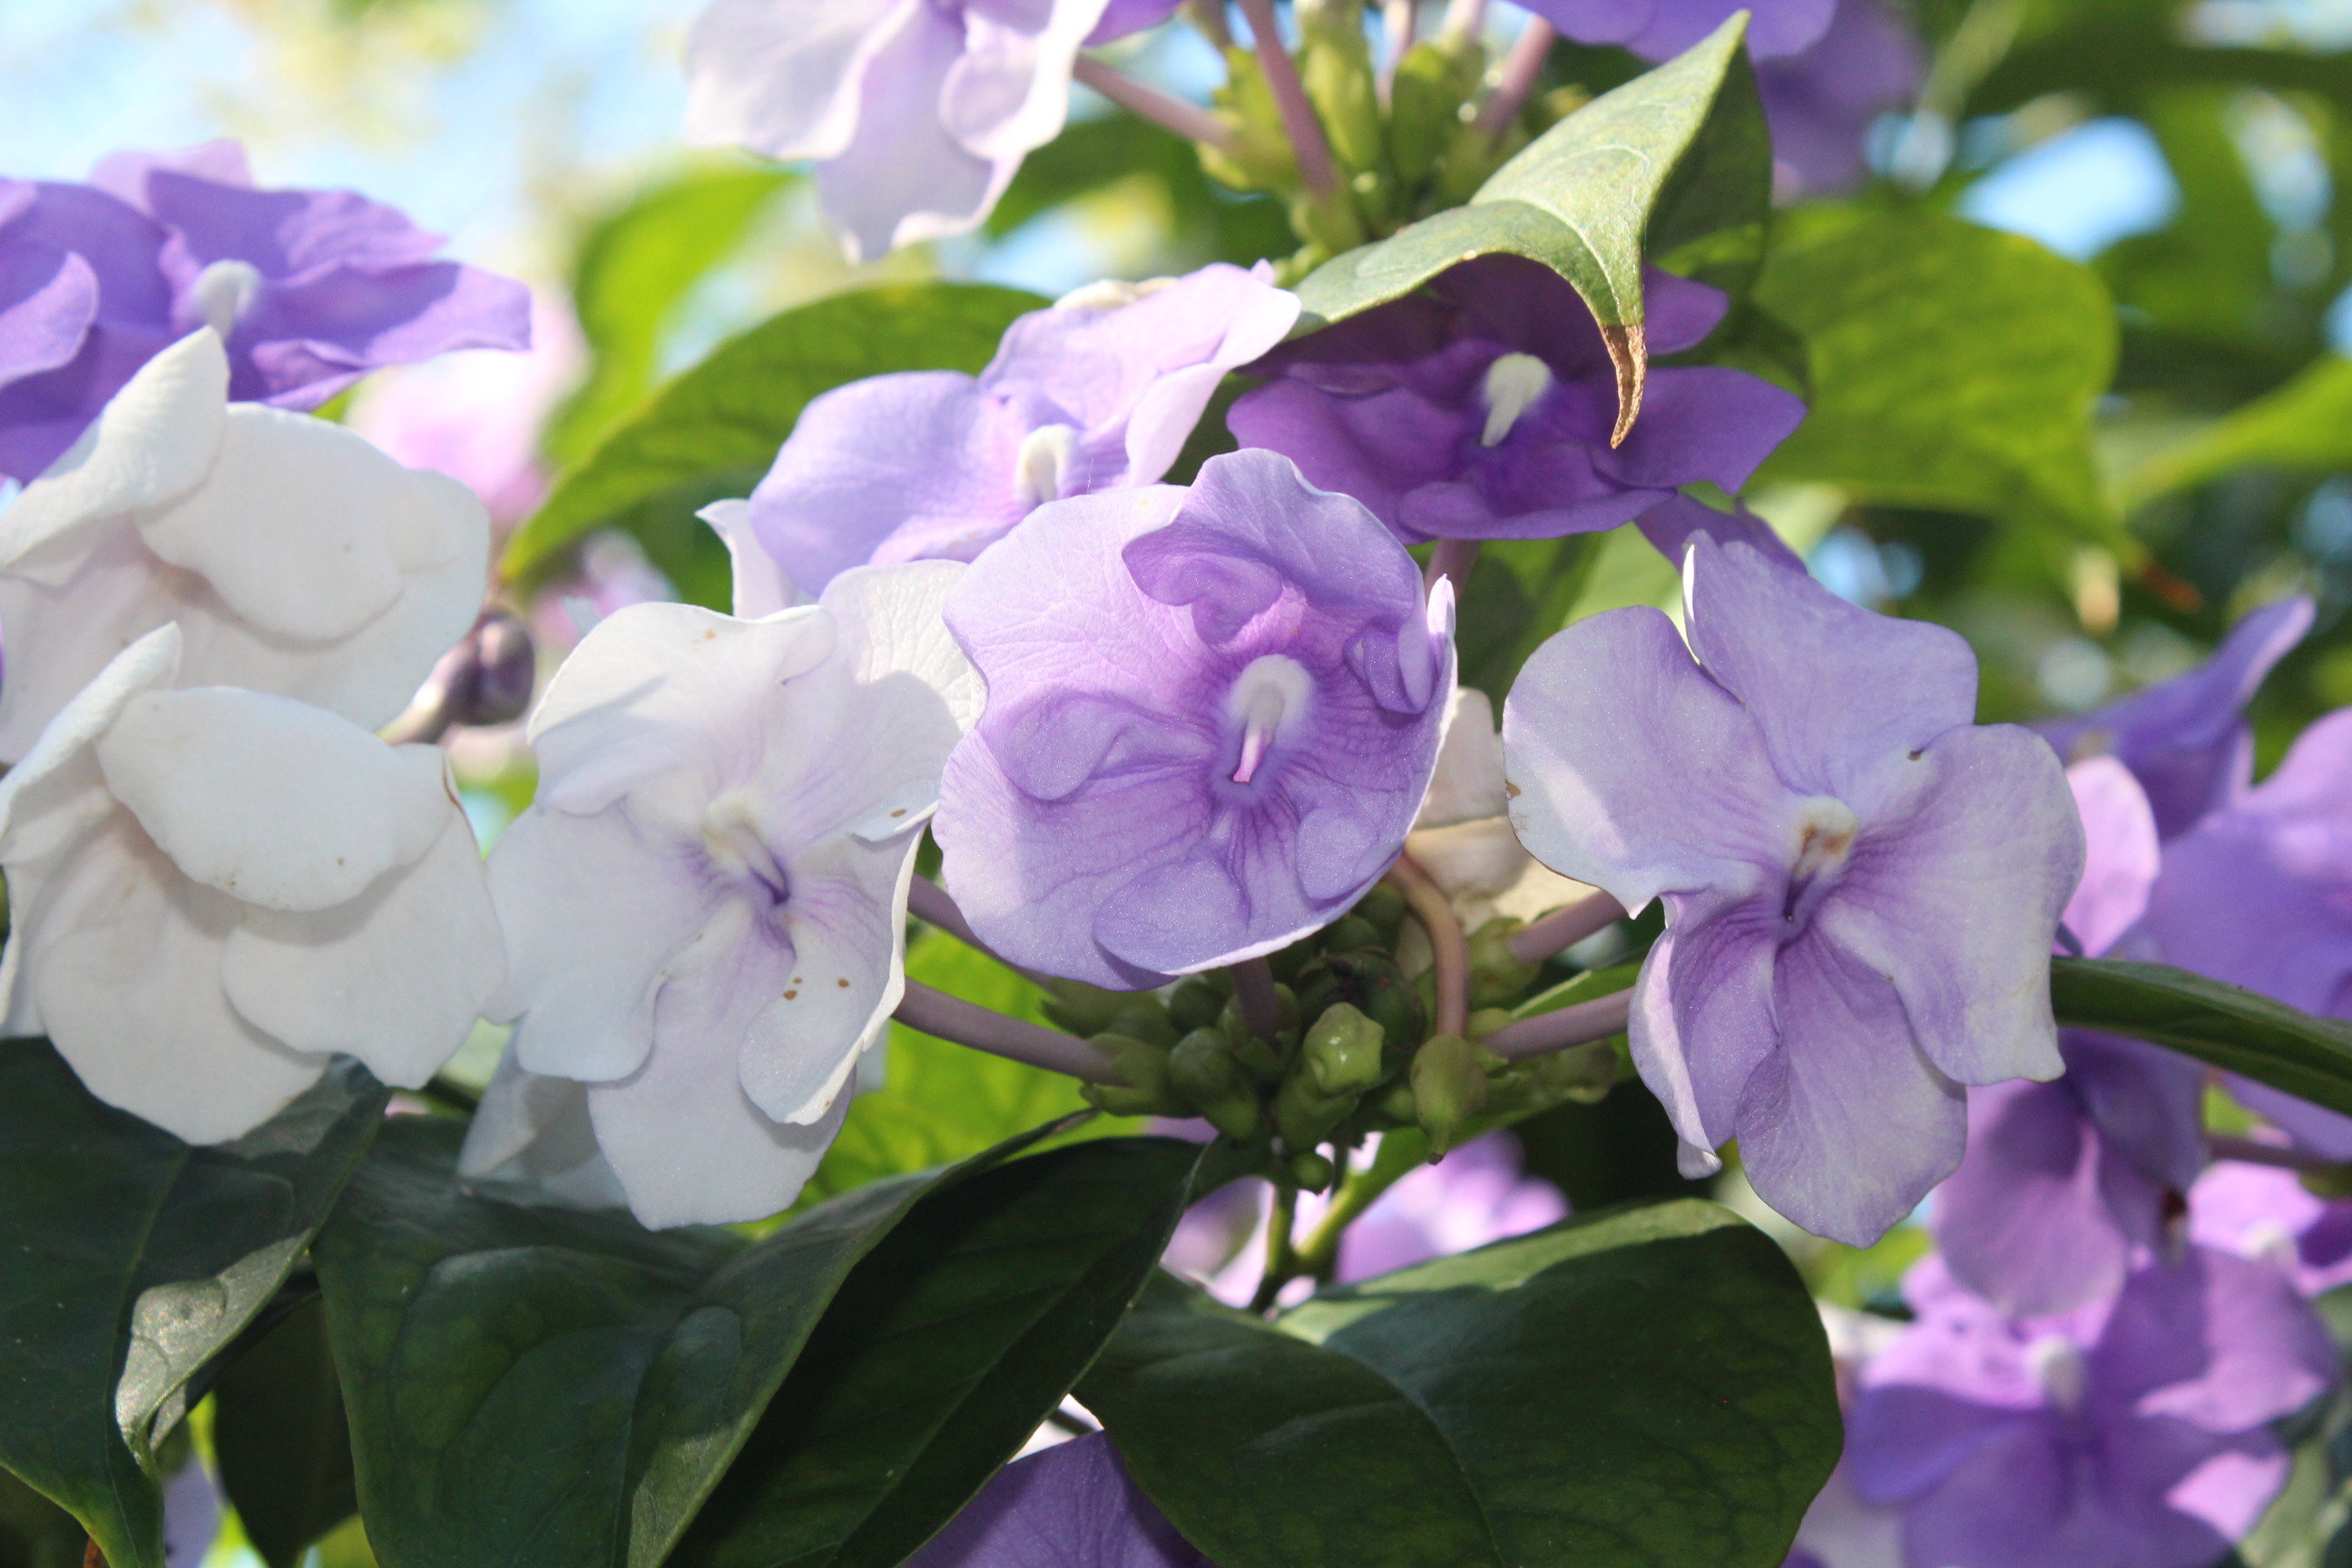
(1629, 353)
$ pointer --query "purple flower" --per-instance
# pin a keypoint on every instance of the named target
(1121, 17)
(1212, 715)
(311, 290)
(1097, 393)
(2129, 1434)
(1669, 525)
(1861, 886)
(1072, 1506)
(1659, 29)
(1481, 408)
(2066, 1184)
(2262, 1211)
(1820, 100)
(2185, 739)
(917, 112)
(2259, 894)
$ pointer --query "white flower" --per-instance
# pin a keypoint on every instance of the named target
(296, 558)
(213, 890)
(706, 908)
(917, 112)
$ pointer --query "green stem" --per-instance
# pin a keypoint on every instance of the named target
(1281, 1259)
(1358, 1190)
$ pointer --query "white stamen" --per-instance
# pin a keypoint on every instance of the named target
(1039, 471)
(1823, 831)
(1111, 294)
(2057, 1366)
(1271, 696)
(224, 292)
(1513, 382)
(739, 850)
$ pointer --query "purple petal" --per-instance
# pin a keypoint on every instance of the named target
(903, 178)
(1072, 1506)
(1719, 979)
(1701, 423)
(48, 299)
(307, 338)
(1845, 1128)
(2221, 1343)
(1670, 26)
(1669, 525)
(1121, 17)
(2148, 1105)
(2024, 1221)
(1821, 100)
(2121, 856)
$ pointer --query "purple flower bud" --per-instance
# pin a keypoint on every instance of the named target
(1481, 408)
(2131, 1433)
(1861, 886)
(1660, 29)
(1212, 715)
(1096, 394)
(311, 290)
(1072, 1506)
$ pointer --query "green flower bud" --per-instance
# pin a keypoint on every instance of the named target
(1370, 983)
(1434, 81)
(1342, 1050)
(1384, 909)
(1349, 933)
(1304, 1115)
(1581, 1073)
(1311, 1170)
(1084, 1009)
(1204, 1073)
(1258, 156)
(1336, 67)
(1286, 1015)
(1449, 1087)
(1148, 1091)
(1195, 1003)
(1145, 1020)
(1497, 978)
(1486, 1021)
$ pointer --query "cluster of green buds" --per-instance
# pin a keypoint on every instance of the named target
(1349, 1053)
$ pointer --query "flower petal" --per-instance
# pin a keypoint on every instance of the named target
(782, 77)
(2121, 854)
(903, 177)
(2024, 1221)
(532, 1139)
(848, 921)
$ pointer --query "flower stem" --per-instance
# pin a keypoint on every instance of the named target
(1189, 121)
(931, 904)
(934, 1011)
(1455, 558)
(1209, 15)
(1450, 948)
(1308, 144)
(1254, 990)
(1564, 927)
(1580, 1024)
(1281, 1259)
(1466, 18)
(1521, 68)
(1358, 1190)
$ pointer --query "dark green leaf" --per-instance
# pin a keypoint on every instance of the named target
(633, 269)
(1640, 1388)
(2230, 1027)
(950, 1342)
(2305, 425)
(132, 1259)
(1673, 166)
(712, 432)
(35, 1533)
(281, 1440)
(1953, 367)
(540, 1385)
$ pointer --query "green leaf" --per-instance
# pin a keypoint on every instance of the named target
(1953, 367)
(1674, 166)
(942, 1101)
(35, 1533)
(1638, 1387)
(2305, 425)
(549, 1386)
(952, 1341)
(133, 1259)
(711, 433)
(2226, 1026)
(282, 1441)
(633, 269)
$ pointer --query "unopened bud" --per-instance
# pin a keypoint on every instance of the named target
(1497, 976)
(484, 680)
(1145, 1020)
(1311, 1170)
(1148, 1090)
(1195, 1004)
(1084, 1009)
(1383, 908)
(1342, 1050)
(1304, 1115)
(1449, 1087)
(1349, 933)
(1213, 1085)
(1486, 1021)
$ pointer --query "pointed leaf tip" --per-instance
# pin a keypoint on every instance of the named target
(1629, 353)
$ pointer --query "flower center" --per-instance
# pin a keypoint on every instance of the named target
(1043, 464)
(2057, 1365)
(1270, 698)
(1822, 835)
(224, 292)
(1513, 384)
(739, 851)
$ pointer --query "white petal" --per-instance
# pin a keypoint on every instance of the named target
(152, 442)
(847, 917)
(396, 977)
(63, 635)
(123, 956)
(269, 800)
(306, 529)
(894, 623)
(762, 588)
(780, 77)
(531, 1138)
(1011, 92)
(593, 913)
(58, 791)
(1468, 783)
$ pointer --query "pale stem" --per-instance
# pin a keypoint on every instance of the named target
(1453, 558)
(1189, 121)
(1398, 19)
(2246, 1150)
(1209, 15)
(1579, 1025)
(1299, 121)
(1254, 990)
(1466, 18)
(934, 1011)
(1564, 927)
(1451, 949)
(1521, 68)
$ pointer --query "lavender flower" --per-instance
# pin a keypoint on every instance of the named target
(917, 112)
(2131, 1433)
(1862, 887)
(1482, 407)
(2065, 1184)
(1097, 393)
(2259, 894)
(1659, 29)
(1072, 1506)
(2262, 1211)
(1821, 99)
(311, 290)
(2185, 739)
(1212, 715)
